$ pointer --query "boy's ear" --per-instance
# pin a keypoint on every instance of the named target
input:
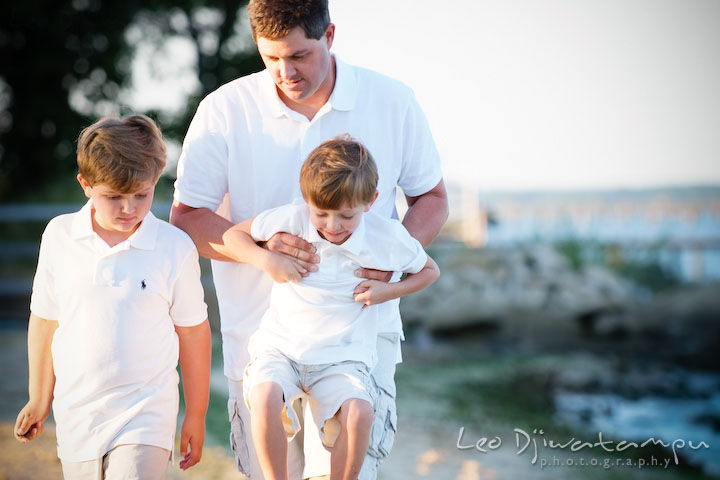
(87, 188)
(367, 207)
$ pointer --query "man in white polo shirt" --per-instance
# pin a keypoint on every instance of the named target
(244, 150)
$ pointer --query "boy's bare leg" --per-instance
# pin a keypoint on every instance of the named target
(355, 417)
(266, 405)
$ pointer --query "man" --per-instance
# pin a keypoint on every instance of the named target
(242, 155)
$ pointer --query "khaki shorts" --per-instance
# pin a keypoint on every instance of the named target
(316, 459)
(325, 386)
(124, 462)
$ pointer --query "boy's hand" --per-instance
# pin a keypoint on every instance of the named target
(193, 435)
(372, 292)
(284, 269)
(30, 422)
(296, 249)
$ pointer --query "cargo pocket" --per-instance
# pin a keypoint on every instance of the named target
(384, 426)
(237, 438)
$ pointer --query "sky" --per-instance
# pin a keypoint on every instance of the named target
(553, 94)
(530, 94)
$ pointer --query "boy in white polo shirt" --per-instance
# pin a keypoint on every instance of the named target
(318, 337)
(116, 301)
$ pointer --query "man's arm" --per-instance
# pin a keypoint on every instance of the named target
(30, 421)
(427, 214)
(207, 228)
(195, 347)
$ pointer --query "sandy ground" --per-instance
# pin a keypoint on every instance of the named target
(420, 452)
(424, 447)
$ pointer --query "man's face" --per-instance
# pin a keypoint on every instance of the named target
(301, 67)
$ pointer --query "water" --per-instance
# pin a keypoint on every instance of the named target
(692, 417)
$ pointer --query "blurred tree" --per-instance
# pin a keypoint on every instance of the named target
(65, 63)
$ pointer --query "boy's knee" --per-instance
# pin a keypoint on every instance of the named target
(266, 397)
(357, 414)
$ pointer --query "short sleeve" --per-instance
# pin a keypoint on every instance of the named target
(188, 304)
(292, 218)
(421, 169)
(410, 253)
(202, 170)
(43, 301)
(394, 249)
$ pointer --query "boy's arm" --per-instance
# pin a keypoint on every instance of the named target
(41, 382)
(372, 292)
(207, 229)
(280, 267)
(195, 351)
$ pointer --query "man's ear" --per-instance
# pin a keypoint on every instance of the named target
(329, 34)
(87, 188)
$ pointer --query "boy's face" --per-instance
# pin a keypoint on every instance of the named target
(336, 226)
(117, 215)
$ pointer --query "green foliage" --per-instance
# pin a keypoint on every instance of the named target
(52, 51)
(649, 274)
(572, 250)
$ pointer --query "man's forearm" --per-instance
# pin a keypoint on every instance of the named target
(206, 228)
(427, 214)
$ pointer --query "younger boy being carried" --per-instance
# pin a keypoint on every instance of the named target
(318, 337)
(116, 300)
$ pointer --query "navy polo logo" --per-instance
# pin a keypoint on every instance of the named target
(143, 285)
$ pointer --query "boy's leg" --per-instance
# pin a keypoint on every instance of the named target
(330, 388)
(355, 417)
(241, 438)
(136, 462)
(266, 407)
(90, 470)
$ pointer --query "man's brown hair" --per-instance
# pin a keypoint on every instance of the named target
(273, 19)
(122, 153)
(339, 172)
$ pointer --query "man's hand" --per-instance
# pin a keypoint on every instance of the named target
(371, 274)
(302, 253)
(30, 422)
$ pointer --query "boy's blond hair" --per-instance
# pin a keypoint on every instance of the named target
(122, 153)
(339, 172)
(273, 19)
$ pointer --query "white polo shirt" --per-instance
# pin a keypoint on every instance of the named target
(317, 320)
(246, 143)
(115, 351)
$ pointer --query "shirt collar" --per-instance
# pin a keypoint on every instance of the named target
(342, 97)
(353, 244)
(144, 237)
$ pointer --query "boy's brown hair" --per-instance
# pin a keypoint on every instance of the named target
(339, 172)
(273, 19)
(122, 153)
